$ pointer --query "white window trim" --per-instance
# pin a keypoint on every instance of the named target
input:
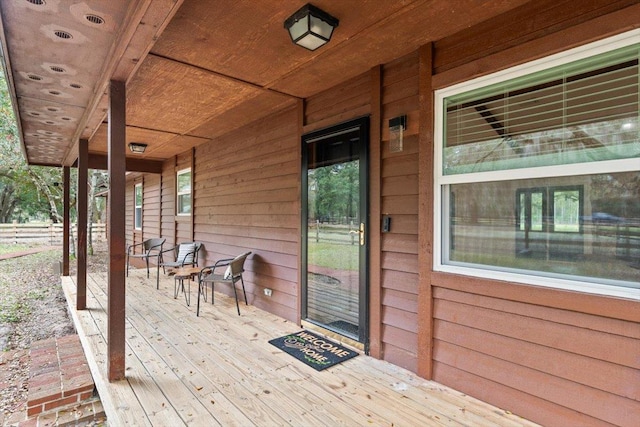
(178, 193)
(623, 165)
(135, 206)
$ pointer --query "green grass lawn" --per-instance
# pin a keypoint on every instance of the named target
(7, 248)
(333, 255)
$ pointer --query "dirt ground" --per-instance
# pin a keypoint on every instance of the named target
(32, 308)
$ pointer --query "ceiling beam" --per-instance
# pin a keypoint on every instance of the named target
(99, 161)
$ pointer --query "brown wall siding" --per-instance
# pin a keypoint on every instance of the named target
(168, 203)
(399, 190)
(347, 101)
(582, 368)
(248, 200)
(151, 206)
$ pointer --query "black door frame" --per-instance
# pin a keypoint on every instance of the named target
(362, 124)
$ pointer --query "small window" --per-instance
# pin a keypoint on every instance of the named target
(183, 187)
(137, 223)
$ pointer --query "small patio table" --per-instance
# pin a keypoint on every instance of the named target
(180, 275)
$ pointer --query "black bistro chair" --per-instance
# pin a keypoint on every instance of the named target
(184, 254)
(151, 248)
(232, 275)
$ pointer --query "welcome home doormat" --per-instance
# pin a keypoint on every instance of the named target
(314, 350)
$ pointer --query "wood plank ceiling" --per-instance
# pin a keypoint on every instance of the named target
(195, 69)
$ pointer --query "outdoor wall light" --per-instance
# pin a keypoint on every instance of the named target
(310, 27)
(397, 126)
(137, 147)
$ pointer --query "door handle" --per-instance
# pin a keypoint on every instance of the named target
(361, 232)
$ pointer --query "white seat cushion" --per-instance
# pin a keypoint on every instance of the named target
(186, 253)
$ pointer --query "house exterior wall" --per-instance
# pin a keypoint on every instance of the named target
(247, 199)
(399, 200)
(553, 356)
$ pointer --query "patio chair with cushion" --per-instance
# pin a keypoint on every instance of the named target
(151, 248)
(184, 254)
(232, 275)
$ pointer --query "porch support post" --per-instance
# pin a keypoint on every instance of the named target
(192, 165)
(425, 213)
(82, 196)
(66, 220)
(375, 191)
(299, 131)
(116, 214)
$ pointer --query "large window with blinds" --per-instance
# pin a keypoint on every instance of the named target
(538, 171)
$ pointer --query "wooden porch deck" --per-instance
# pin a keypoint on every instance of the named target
(219, 369)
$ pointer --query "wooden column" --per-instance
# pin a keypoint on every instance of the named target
(375, 192)
(299, 132)
(116, 213)
(193, 193)
(425, 213)
(83, 176)
(66, 221)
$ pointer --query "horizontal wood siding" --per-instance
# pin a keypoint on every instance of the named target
(552, 356)
(399, 200)
(347, 101)
(581, 368)
(247, 199)
(151, 206)
(529, 22)
(168, 203)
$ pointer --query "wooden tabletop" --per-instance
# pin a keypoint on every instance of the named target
(186, 271)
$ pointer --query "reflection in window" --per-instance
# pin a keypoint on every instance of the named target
(137, 222)
(591, 230)
(183, 186)
(579, 112)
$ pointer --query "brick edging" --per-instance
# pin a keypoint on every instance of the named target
(58, 374)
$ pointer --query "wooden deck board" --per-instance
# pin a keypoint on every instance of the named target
(219, 369)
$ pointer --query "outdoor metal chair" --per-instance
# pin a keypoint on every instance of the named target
(232, 275)
(151, 248)
(183, 254)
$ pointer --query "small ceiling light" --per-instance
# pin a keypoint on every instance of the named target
(310, 27)
(137, 147)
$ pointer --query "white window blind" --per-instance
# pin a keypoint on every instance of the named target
(580, 112)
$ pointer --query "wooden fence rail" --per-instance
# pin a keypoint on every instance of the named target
(46, 233)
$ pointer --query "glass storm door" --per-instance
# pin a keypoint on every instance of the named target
(334, 244)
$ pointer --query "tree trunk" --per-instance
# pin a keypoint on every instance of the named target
(91, 210)
(8, 203)
(44, 188)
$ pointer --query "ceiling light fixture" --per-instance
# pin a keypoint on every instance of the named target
(310, 27)
(137, 147)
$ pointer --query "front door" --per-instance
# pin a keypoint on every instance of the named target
(334, 244)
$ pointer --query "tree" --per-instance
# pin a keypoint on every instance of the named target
(26, 192)
(335, 191)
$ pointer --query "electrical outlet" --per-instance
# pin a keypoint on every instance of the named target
(268, 292)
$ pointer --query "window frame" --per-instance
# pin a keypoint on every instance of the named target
(442, 182)
(136, 206)
(179, 193)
